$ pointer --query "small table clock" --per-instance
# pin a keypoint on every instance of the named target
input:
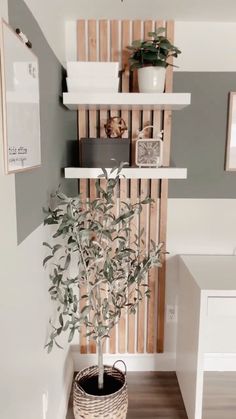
(149, 150)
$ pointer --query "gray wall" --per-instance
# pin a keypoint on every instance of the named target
(199, 136)
(58, 125)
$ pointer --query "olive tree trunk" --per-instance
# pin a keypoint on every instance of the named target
(100, 365)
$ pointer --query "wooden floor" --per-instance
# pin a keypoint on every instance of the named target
(152, 395)
(157, 395)
(219, 400)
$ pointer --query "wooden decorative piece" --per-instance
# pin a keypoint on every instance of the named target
(115, 127)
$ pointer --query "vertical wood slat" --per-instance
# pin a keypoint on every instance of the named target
(147, 115)
(81, 55)
(122, 322)
(153, 273)
(137, 32)
(103, 56)
(143, 306)
(114, 53)
(132, 317)
(153, 235)
(163, 203)
(114, 46)
(143, 251)
(112, 340)
(92, 56)
(125, 39)
(132, 320)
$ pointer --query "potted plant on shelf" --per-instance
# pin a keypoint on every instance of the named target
(96, 263)
(151, 57)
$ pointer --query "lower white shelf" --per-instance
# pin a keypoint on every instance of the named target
(128, 173)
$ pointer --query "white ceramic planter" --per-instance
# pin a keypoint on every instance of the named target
(151, 79)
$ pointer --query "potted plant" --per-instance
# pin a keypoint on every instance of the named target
(91, 249)
(151, 59)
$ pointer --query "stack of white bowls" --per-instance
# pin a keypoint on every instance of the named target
(92, 77)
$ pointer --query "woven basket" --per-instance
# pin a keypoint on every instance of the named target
(112, 406)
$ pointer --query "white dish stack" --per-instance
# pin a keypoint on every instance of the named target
(92, 77)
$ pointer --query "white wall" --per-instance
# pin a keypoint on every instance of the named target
(26, 370)
(199, 52)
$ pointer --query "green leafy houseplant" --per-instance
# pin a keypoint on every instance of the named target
(154, 52)
(91, 249)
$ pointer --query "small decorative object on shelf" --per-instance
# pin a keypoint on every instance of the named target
(149, 150)
(105, 152)
(150, 57)
(115, 127)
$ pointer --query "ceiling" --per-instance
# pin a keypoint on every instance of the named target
(213, 10)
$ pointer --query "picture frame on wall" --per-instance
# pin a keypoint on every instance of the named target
(230, 161)
(20, 103)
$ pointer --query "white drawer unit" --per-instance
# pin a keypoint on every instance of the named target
(206, 323)
(221, 307)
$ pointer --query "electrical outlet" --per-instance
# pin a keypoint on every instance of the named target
(171, 314)
(45, 404)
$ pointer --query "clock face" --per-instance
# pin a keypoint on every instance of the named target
(148, 152)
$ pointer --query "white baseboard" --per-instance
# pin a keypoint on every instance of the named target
(134, 362)
(220, 362)
(68, 376)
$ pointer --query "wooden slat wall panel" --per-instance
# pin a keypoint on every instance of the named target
(107, 40)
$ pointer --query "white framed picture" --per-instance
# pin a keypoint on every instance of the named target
(231, 137)
(21, 104)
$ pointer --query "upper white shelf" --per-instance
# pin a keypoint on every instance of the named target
(126, 101)
(128, 173)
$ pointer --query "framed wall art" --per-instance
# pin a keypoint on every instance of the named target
(231, 137)
(21, 104)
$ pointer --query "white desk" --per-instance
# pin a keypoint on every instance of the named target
(206, 322)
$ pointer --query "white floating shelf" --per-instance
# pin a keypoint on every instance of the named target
(129, 173)
(126, 101)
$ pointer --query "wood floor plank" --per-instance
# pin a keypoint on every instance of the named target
(219, 400)
(155, 395)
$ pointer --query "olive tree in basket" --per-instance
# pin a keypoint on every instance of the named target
(93, 260)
